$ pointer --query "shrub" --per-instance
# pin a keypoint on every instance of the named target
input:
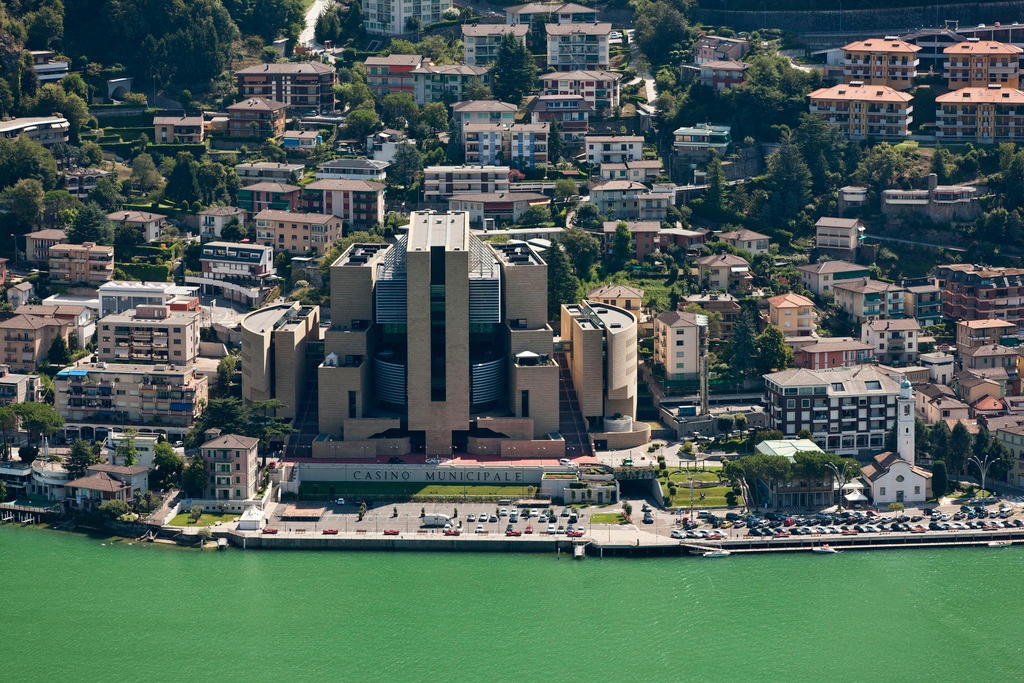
(730, 498)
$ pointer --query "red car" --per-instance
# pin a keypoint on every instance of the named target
(850, 532)
(449, 532)
(575, 534)
(789, 522)
(332, 532)
(529, 529)
(513, 532)
(391, 532)
(270, 530)
(779, 533)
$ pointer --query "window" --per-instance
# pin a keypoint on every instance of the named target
(791, 403)
(881, 491)
(899, 477)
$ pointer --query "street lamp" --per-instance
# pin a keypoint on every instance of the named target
(982, 466)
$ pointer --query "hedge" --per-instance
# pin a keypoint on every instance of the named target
(121, 149)
(166, 209)
(168, 149)
(146, 272)
(128, 132)
(149, 251)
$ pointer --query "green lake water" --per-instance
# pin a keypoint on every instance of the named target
(74, 609)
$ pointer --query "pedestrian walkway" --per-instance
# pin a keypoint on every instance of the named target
(571, 424)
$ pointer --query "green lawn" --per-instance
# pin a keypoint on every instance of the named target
(713, 496)
(324, 490)
(206, 519)
(607, 518)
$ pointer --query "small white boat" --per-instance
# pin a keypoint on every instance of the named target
(824, 549)
(717, 553)
(999, 544)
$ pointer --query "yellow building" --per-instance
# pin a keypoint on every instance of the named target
(976, 63)
(887, 61)
(793, 314)
(863, 110)
(983, 114)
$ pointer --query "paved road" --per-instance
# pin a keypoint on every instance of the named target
(314, 11)
(649, 89)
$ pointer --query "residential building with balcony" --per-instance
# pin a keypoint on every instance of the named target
(839, 237)
(971, 334)
(502, 206)
(17, 388)
(725, 272)
(79, 182)
(358, 203)
(20, 293)
(382, 145)
(235, 271)
(300, 143)
(975, 292)
(894, 340)
(722, 303)
(643, 238)
(482, 111)
(984, 359)
(793, 314)
(47, 68)
(301, 86)
(847, 410)
(937, 402)
(443, 181)
(393, 74)
(297, 233)
(149, 225)
(480, 41)
(213, 219)
(46, 130)
(352, 169)
(166, 399)
(820, 277)
(149, 334)
(103, 482)
(446, 82)
(257, 118)
(620, 296)
(887, 61)
(119, 296)
(255, 171)
(712, 48)
(537, 14)
(25, 340)
(614, 149)
(570, 112)
(866, 299)
(573, 46)
(824, 353)
(233, 463)
(940, 203)
(38, 243)
(521, 145)
(175, 130)
(680, 344)
(862, 110)
(923, 300)
(268, 195)
(88, 263)
(599, 88)
(389, 18)
(720, 75)
(979, 63)
(639, 171)
(81, 319)
(625, 199)
(753, 242)
(983, 114)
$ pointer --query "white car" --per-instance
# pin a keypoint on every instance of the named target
(678, 533)
(503, 512)
(479, 529)
(543, 519)
(339, 501)
(470, 517)
(564, 461)
(552, 529)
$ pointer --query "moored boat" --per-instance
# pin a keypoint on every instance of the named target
(717, 553)
(824, 549)
(999, 544)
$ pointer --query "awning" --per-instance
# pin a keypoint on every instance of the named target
(73, 373)
(856, 497)
(854, 485)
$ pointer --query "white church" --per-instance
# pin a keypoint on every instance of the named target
(893, 477)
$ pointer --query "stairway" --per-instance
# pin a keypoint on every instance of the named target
(571, 424)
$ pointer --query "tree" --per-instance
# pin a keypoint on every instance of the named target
(940, 479)
(8, 426)
(538, 214)
(127, 453)
(113, 509)
(361, 123)
(58, 353)
(226, 371)
(660, 27)
(24, 203)
(939, 437)
(959, 448)
(194, 476)
(475, 89)
(167, 465)
(90, 224)
(80, 457)
(582, 248)
(744, 345)
(564, 189)
(627, 509)
(144, 173)
(789, 183)
(714, 198)
(554, 143)
(26, 158)
(563, 286)
(772, 351)
(435, 116)
(398, 109)
(622, 248)
(514, 69)
(3, 492)
(183, 181)
(28, 453)
(107, 194)
(38, 419)
(407, 163)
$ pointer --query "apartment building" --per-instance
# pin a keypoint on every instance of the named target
(81, 319)
(726, 305)
(894, 340)
(502, 206)
(445, 82)
(149, 225)
(300, 143)
(164, 398)
(712, 48)
(304, 87)
(213, 219)
(614, 149)
(233, 463)
(149, 334)
(278, 345)
(570, 112)
(297, 233)
(720, 75)
(643, 238)
(753, 242)
(88, 263)
(536, 14)
(823, 353)
(444, 181)
(352, 169)
(627, 199)
(847, 410)
(979, 63)
(701, 139)
(725, 272)
(840, 237)
(273, 171)
(358, 203)
(17, 388)
(639, 171)
(866, 299)
(47, 68)
(940, 203)
(680, 344)
(38, 243)
(974, 333)
(268, 195)
(599, 88)
(480, 41)
(80, 182)
(46, 130)
(983, 114)
(793, 314)
(178, 130)
(521, 145)
(820, 277)
(234, 271)
(975, 292)
(387, 18)
(887, 61)
(118, 296)
(573, 46)
(392, 74)
(256, 118)
(482, 111)
(440, 333)
(861, 110)
(25, 340)
(620, 296)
